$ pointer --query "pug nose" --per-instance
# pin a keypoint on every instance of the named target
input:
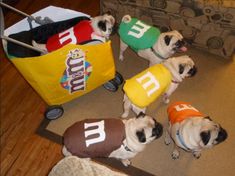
(158, 130)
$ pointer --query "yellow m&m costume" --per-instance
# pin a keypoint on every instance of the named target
(148, 85)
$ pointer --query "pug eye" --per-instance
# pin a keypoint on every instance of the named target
(102, 25)
(141, 136)
(181, 69)
(167, 39)
(179, 43)
(205, 136)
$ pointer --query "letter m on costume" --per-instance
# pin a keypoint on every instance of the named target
(145, 87)
(95, 129)
(67, 37)
(149, 83)
(138, 29)
(182, 107)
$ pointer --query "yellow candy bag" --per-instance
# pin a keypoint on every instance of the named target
(69, 72)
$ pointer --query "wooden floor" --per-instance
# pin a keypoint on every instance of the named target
(22, 151)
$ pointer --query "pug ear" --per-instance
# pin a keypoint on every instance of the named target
(107, 12)
(102, 25)
(141, 136)
(205, 136)
(141, 114)
(208, 117)
(167, 39)
(181, 69)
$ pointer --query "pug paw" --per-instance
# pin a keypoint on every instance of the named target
(124, 115)
(197, 155)
(121, 58)
(175, 154)
(167, 140)
(126, 162)
(166, 100)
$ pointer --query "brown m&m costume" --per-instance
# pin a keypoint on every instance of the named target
(94, 137)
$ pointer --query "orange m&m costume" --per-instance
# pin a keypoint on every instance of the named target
(179, 111)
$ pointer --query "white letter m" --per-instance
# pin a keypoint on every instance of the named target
(67, 35)
(99, 130)
(182, 107)
(138, 29)
(150, 81)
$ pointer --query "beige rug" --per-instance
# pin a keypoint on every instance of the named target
(212, 91)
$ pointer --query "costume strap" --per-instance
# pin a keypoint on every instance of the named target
(157, 54)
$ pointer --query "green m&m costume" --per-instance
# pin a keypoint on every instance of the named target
(138, 35)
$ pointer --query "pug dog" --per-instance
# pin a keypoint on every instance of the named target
(191, 130)
(147, 40)
(98, 29)
(114, 138)
(160, 79)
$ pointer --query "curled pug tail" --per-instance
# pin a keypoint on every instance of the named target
(126, 18)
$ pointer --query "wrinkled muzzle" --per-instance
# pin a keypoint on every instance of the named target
(192, 71)
(222, 135)
(180, 46)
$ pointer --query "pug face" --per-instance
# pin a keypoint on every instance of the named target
(181, 67)
(187, 69)
(103, 25)
(195, 134)
(211, 133)
(172, 42)
(175, 43)
(144, 129)
(167, 43)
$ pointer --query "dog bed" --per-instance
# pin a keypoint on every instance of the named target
(74, 166)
